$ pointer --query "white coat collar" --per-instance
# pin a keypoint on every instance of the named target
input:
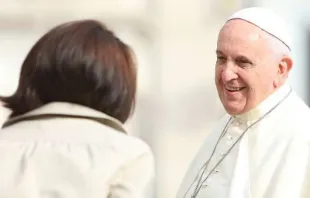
(68, 109)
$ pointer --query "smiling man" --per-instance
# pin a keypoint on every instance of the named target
(261, 148)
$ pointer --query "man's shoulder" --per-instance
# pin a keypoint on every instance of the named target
(292, 119)
(295, 112)
(297, 104)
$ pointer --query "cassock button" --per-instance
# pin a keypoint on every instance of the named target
(204, 186)
(237, 123)
(229, 137)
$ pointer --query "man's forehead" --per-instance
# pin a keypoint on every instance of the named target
(240, 38)
(241, 34)
(243, 28)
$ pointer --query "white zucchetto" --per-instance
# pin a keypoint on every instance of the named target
(267, 20)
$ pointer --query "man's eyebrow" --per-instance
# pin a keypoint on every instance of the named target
(219, 52)
(244, 58)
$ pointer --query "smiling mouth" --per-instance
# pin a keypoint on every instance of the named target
(234, 89)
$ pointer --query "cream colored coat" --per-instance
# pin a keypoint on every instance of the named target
(73, 158)
(4, 113)
(272, 160)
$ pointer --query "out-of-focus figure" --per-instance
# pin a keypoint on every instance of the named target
(65, 136)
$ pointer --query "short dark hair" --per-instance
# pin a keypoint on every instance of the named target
(78, 62)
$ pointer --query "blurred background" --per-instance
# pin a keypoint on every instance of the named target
(175, 44)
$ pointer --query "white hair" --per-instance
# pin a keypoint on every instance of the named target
(278, 48)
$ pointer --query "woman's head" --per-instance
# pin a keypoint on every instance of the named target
(78, 62)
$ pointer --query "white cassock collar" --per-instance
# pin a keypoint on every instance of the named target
(265, 105)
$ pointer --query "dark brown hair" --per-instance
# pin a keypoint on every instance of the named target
(78, 62)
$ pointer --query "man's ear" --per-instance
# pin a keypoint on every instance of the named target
(285, 66)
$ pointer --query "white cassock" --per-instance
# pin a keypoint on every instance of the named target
(272, 159)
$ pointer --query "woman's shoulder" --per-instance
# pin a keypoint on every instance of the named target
(4, 113)
(131, 145)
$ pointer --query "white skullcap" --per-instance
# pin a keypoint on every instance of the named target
(267, 20)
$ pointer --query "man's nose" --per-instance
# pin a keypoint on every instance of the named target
(229, 74)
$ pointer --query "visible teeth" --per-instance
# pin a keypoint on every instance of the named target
(234, 88)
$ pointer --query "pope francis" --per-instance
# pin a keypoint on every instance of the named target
(261, 148)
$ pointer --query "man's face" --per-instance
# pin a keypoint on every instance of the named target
(246, 68)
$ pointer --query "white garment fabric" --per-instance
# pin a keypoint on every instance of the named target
(272, 160)
(73, 158)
